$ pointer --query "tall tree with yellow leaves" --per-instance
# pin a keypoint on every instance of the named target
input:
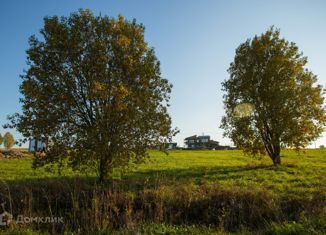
(94, 90)
(272, 99)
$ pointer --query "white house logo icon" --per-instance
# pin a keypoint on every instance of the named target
(5, 217)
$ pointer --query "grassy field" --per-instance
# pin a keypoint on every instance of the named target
(299, 173)
(299, 180)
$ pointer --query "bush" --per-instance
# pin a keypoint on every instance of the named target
(8, 140)
(14, 154)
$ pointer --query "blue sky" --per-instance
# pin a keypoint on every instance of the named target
(194, 40)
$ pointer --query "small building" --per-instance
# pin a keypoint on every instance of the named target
(204, 142)
(200, 142)
(37, 145)
(166, 146)
(171, 145)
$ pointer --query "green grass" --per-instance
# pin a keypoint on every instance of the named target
(301, 173)
(189, 172)
(298, 173)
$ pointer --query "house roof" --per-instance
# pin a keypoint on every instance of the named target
(193, 137)
(204, 137)
(214, 142)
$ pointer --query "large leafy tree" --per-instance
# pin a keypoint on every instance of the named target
(93, 89)
(1, 139)
(271, 99)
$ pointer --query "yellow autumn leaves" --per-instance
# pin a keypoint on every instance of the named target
(117, 92)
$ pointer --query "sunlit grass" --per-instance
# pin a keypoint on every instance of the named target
(299, 173)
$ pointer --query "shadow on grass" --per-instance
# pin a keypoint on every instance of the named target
(216, 173)
(137, 180)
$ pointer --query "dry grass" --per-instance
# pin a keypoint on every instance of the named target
(91, 208)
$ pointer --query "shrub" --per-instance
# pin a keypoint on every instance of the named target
(8, 140)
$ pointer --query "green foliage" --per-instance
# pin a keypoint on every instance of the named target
(269, 76)
(8, 140)
(1, 139)
(93, 89)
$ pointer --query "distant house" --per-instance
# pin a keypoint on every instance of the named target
(36, 145)
(204, 142)
(200, 142)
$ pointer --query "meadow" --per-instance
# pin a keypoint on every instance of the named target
(183, 192)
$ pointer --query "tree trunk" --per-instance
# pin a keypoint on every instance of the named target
(274, 151)
(103, 172)
(105, 168)
(276, 154)
(277, 160)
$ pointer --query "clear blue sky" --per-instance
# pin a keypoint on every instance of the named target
(194, 40)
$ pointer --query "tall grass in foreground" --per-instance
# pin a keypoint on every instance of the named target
(91, 208)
